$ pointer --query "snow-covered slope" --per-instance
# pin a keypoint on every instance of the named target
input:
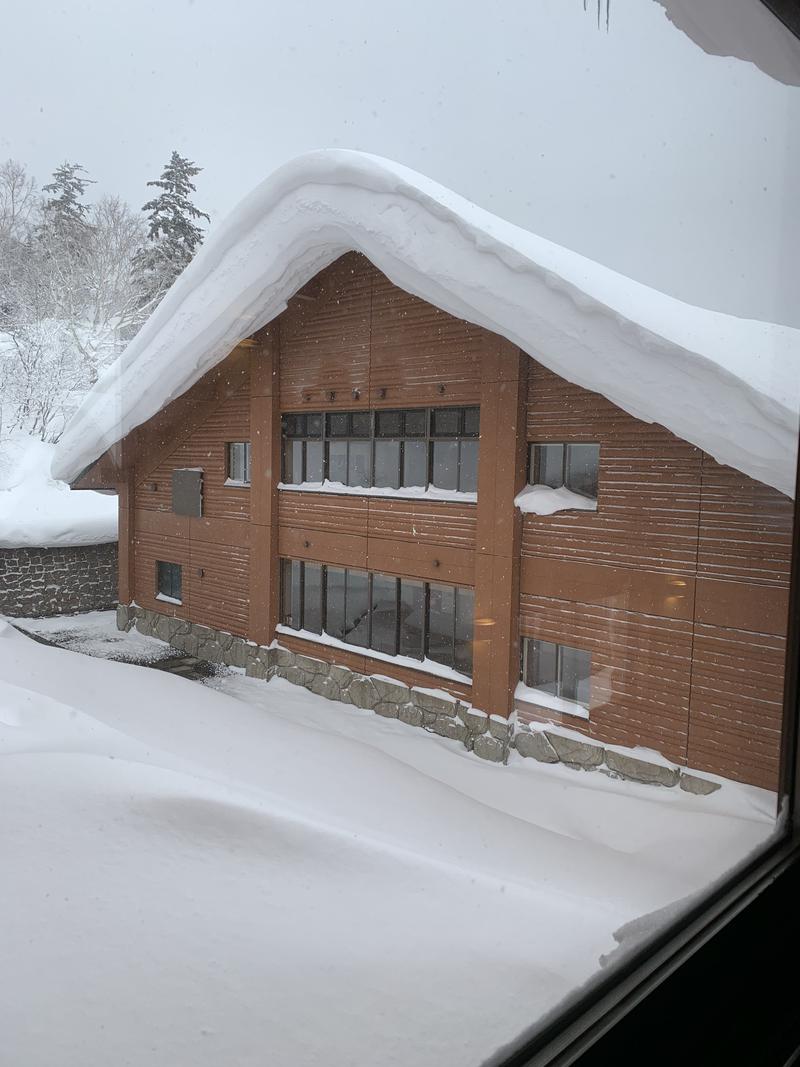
(729, 385)
(37, 511)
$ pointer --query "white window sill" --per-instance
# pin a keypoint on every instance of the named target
(236, 484)
(527, 695)
(168, 599)
(426, 666)
(544, 500)
(410, 493)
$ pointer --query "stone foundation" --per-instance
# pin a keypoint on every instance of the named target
(38, 582)
(489, 736)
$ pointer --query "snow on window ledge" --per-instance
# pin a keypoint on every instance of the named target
(427, 666)
(236, 483)
(528, 695)
(413, 492)
(168, 599)
(544, 500)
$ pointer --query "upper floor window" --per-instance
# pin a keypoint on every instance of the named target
(574, 466)
(168, 581)
(238, 463)
(394, 449)
(557, 670)
(392, 616)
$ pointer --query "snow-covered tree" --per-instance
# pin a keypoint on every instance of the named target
(172, 227)
(65, 212)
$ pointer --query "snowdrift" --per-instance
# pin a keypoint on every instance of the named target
(728, 385)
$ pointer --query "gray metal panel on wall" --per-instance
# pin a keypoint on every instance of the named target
(187, 491)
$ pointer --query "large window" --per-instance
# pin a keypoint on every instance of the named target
(557, 670)
(392, 616)
(168, 581)
(395, 449)
(238, 463)
(572, 465)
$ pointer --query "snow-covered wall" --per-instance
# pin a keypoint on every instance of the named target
(728, 385)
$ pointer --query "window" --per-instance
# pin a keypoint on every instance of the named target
(168, 581)
(238, 462)
(572, 465)
(393, 616)
(558, 670)
(393, 449)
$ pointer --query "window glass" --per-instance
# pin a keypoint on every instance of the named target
(415, 463)
(356, 624)
(575, 674)
(334, 602)
(416, 423)
(445, 422)
(542, 664)
(361, 424)
(465, 600)
(384, 614)
(314, 466)
(468, 469)
(548, 465)
(312, 597)
(359, 464)
(337, 461)
(314, 425)
(291, 614)
(441, 620)
(292, 462)
(387, 464)
(582, 465)
(239, 461)
(168, 579)
(388, 423)
(472, 422)
(294, 425)
(444, 469)
(412, 618)
(338, 424)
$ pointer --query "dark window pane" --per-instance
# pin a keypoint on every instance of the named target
(472, 422)
(339, 424)
(337, 461)
(290, 594)
(359, 463)
(412, 619)
(542, 666)
(334, 602)
(387, 464)
(416, 423)
(356, 622)
(384, 614)
(312, 597)
(388, 423)
(292, 462)
(468, 475)
(168, 579)
(582, 462)
(415, 463)
(576, 670)
(465, 600)
(361, 424)
(441, 623)
(315, 451)
(549, 465)
(314, 425)
(294, 425)
(446, 422)
(445, 464)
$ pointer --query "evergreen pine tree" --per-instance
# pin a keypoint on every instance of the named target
(172, 227)
(64, 211)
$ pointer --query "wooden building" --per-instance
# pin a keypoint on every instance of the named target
(652, 615)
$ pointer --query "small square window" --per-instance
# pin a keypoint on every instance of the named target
(338, 424)
(168, 581)
(389, 424)
(361, 424)
(416, 423)
(293, 425)
(558, 670)
(314, 425)
(446, 422)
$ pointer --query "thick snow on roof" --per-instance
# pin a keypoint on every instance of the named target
(728, 385)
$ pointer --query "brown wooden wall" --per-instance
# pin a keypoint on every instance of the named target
(677, 584)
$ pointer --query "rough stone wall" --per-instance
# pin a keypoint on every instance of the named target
(57, 581)
(490, 737)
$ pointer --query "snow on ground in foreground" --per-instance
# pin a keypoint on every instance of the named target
(250, 874)
(36, 511)
(95, 633)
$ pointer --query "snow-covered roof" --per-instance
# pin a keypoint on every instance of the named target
(728, 385)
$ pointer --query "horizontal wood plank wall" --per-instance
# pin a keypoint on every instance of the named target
(683, 562)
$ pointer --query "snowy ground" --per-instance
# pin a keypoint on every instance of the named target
(239, 873)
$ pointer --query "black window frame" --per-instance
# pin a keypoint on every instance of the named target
(166, 572)
(230, 478)
(535, 459)
(466, 437)
(457, 623)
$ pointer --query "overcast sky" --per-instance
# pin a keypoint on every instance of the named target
(632, 147)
